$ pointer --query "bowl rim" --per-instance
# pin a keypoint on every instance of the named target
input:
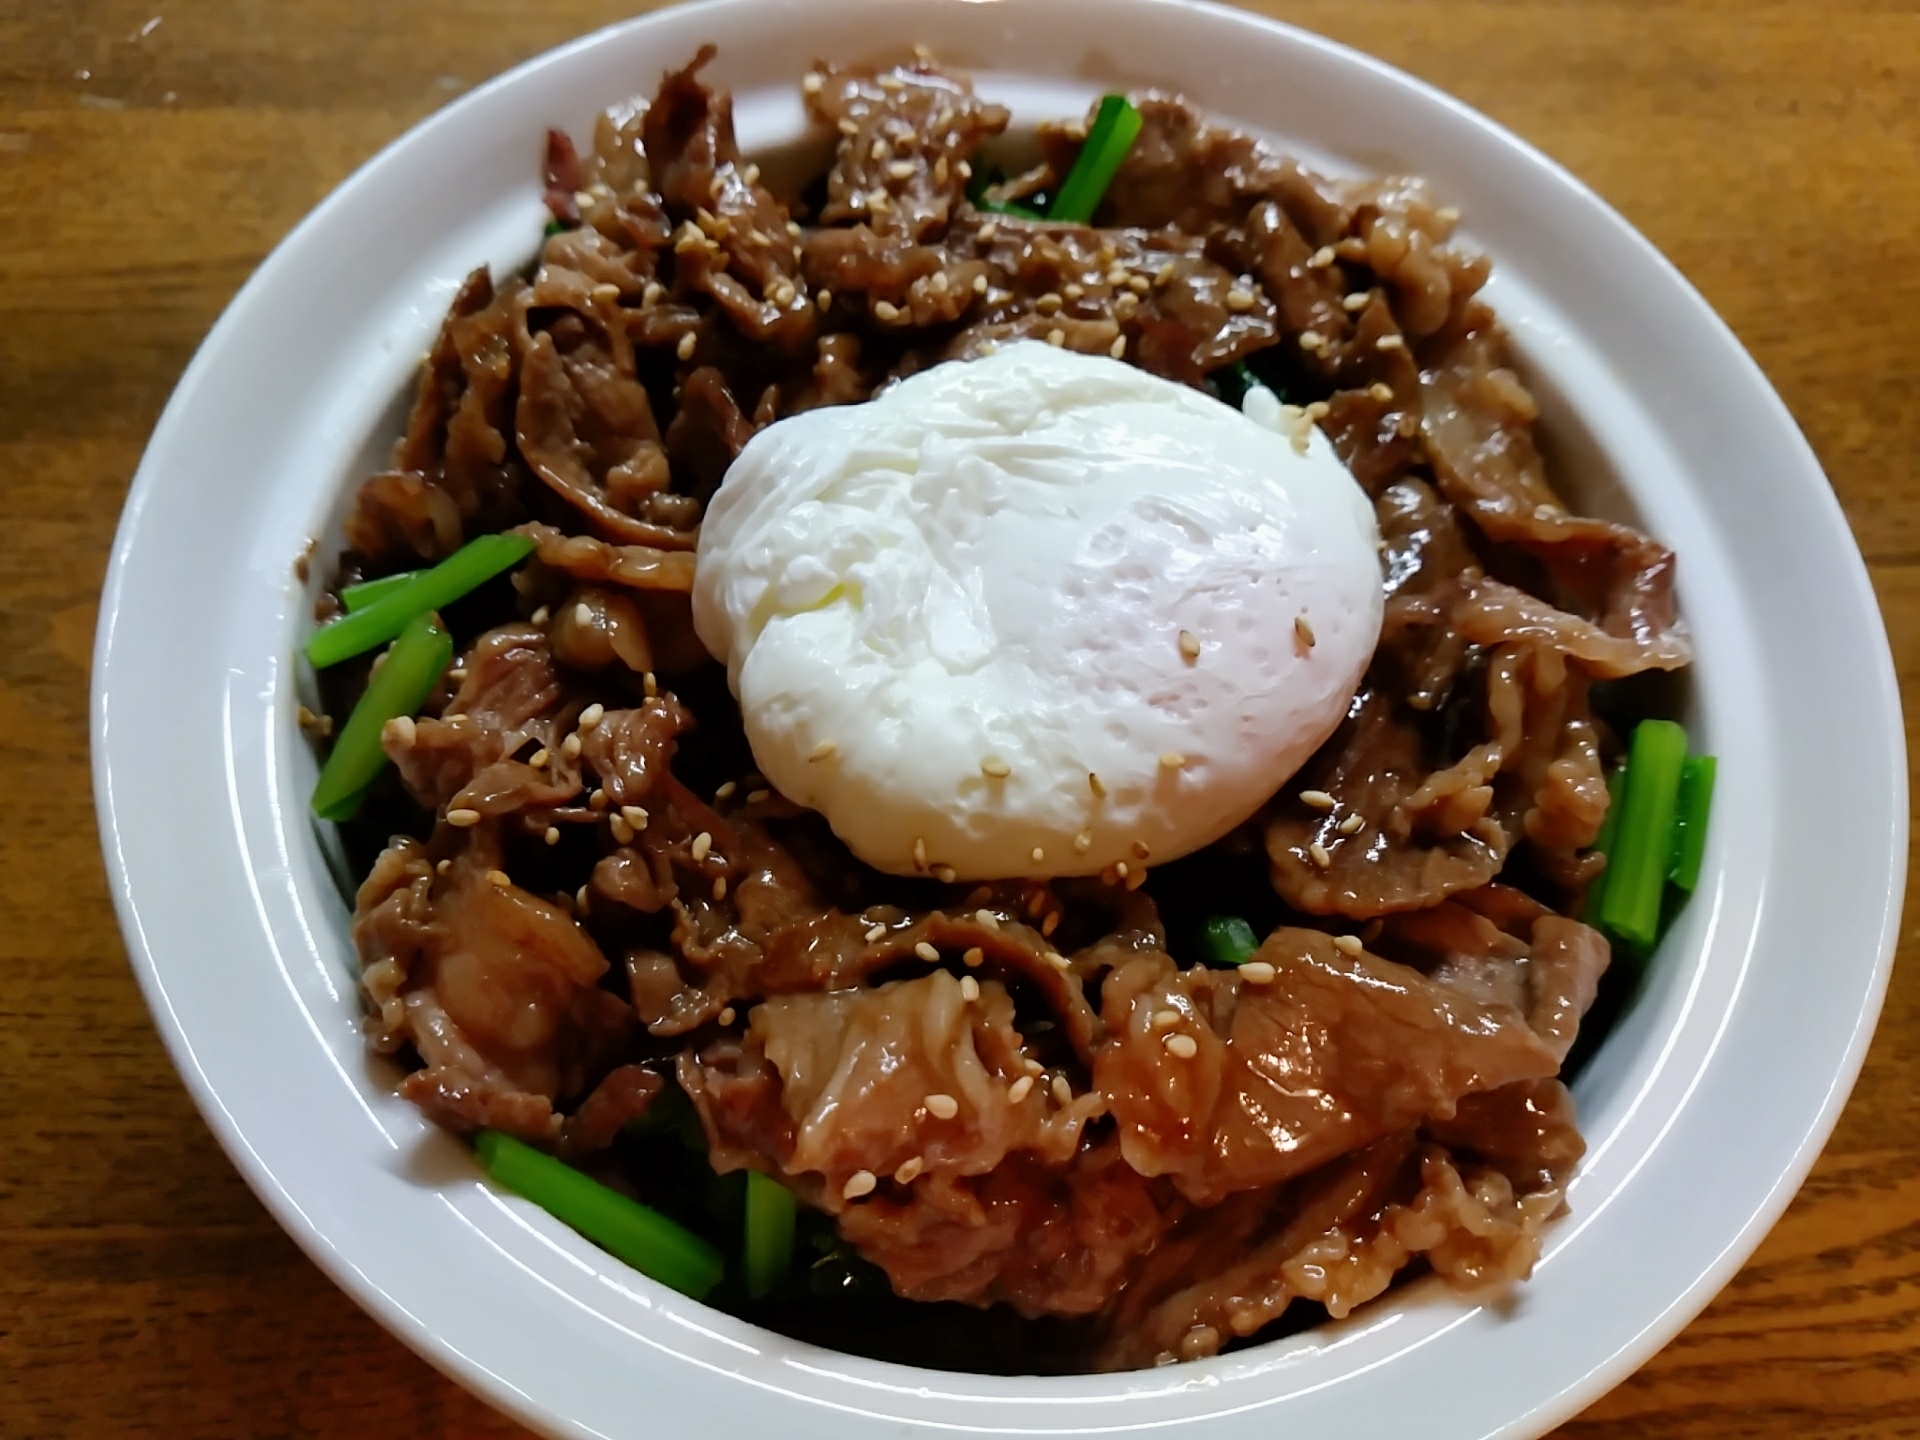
(303, 1227)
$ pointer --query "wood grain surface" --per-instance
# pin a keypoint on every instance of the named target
(152, 152)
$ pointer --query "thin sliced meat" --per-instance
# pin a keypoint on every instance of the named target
(1335, 1052)
(1477, 419)
(906, 137)
(638, 567)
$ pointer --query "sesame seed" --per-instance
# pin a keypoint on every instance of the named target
(442, 867)
(499, 880)
(1033, 1067)
(725, 792)
(1390, 342)
(540, 758)
(902, 169)
(1351, 824)
(909, 1170)
(1120, 869)
(1240, 300)
(1020, 1089)
(987, 918)
(1322, 258)
(462, 817)
(980, 284)
(759, 797)
(1316, 411)
(892, 82)
(1050, 923)
(969, 988)
(860, 1183)
(1381, 392)
(1097, 785)
(1039, 856)
(400, 729)
(605, 292)
(1321, 856)
(878, 932)
(938, 282)
(1118, 349)
(945, 874)
(823, 299)
(940, 170)
(583, 198)
(1312, 341)
(964, 169)
(886, 310)
(878, 202)
(814, 82)
(973, 958)
(848, 126)
(1189, 645)
(926, 952)
(652, 294)
(597, 800)
(1165, 1019)
(1062, 1091)
(1117, 274)
(880, 150)
(719, 887)
(1303, 630)
(1448, 214)
(1172, 760)
(995, 767)
(1257, 972)
(941, 1107)
(1058, 961)
(637, 818)
(1318, 799)
(685, 348)
(540, 616)
(592, 715)
(1356, 301)
(552, 835)
(1036, 902)
(702, 846)
(1083, 842)
(1056, 338)
(580, 900)
(622, 831)
(727, 1015)
(1351, 944)
(989, 230)
(1185, 1046)
(1140, 285)
(919, 853)
(824, 750)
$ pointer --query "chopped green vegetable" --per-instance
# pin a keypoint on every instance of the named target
(554, 227)
(1228, 940)
(359, 597)
(1603, 844)
(467, 568)
(771, 1209)
(1690, 844)
(1115, 127)
(1643, 849)
(399, 686)
(645, 1239)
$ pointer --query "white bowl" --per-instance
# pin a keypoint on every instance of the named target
(1704, 1109)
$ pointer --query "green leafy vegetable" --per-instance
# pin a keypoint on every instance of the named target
(1115, 127)
(1227, 940)
(768, 1248)
(400, 685)
(645, 1239)
(359, 597)
(1642, 853)
(1696, 798)
(472, 565)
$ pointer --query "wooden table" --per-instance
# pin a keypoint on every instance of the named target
(149, 158)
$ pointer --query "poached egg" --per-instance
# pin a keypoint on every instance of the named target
(1037, 613)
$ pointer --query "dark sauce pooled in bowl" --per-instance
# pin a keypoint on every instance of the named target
(1066, 1141)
